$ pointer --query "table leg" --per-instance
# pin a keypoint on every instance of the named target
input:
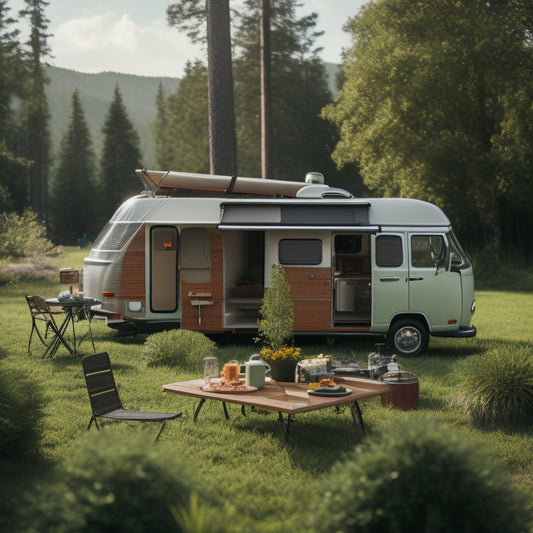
(200, 405)
(197, 412)
(285, 426)
(355, 409)
(53, 347)
(226, 414)
(71, 313)
(88, 318)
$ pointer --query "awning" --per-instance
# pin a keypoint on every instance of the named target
(306, 216)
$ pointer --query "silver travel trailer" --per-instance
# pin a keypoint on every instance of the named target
(195, 251)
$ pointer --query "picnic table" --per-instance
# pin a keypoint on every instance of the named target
(285, 398)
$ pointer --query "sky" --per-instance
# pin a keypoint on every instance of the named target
(133, 37)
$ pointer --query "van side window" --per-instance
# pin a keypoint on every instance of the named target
(195, 256)
(389, 251)
(425, 249)
(300, 251)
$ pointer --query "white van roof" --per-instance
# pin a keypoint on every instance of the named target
(368, 214)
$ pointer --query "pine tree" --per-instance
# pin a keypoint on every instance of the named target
(10, 57)
(36, 114)
(73, 190)
(12, 191)
(120, 157)
(185, 138)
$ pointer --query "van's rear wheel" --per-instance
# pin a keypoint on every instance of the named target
(408, 337)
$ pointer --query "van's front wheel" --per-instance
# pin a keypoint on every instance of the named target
(408, 337)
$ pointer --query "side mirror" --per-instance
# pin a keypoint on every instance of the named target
(440, 254)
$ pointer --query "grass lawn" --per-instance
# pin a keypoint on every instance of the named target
(266, 483)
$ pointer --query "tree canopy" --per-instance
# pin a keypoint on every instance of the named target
(181, 126)
(73, 198)
(120, 157)
(437, 104)
(36, 114)
(301, 139)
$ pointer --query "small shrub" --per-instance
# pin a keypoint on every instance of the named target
(20, 412)
(179, 348)
(115, 481)
(496, 388)
(23, 236)
(418, 476)
(277, 314)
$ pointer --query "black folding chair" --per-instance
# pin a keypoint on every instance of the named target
(103, 394)
(41, 312)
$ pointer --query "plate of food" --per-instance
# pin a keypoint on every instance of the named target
(338, 390)
(227, 387)
(327, 387)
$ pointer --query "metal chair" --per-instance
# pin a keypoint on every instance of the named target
(40, 312)
(104, 397)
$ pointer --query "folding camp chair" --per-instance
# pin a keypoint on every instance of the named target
(40, 312)
(103, 394)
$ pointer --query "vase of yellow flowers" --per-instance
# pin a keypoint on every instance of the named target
(275, 327)
(282, 362)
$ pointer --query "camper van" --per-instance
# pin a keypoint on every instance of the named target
(195, 251)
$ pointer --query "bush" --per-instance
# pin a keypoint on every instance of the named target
(418, 476)
(496, 388)
(179, 348)
(277, 314)
(20, 408)
(23, 236)
(115, 481)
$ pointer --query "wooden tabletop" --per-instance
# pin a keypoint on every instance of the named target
(283, 396)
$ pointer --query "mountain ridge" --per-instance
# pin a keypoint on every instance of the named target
(96, 92)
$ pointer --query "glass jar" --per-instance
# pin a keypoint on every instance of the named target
(210, 369)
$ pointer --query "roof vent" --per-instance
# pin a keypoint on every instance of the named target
(312, 191)
(333, 192)
(314, 177)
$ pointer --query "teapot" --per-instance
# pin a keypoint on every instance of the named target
(255, 371)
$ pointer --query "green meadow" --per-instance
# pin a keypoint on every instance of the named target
(262, 482)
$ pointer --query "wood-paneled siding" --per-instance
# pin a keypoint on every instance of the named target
(132, 275)
(311, 296)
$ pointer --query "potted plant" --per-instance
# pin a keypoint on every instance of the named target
(275, 327)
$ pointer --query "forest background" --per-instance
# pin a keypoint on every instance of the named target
(434, 101)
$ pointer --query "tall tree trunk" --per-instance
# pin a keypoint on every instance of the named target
(266, 95)
(222, 143)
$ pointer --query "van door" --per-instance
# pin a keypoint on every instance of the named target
(434, 290)
(389, 276)
(351, 280)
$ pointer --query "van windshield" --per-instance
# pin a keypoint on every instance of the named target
(459, 259)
